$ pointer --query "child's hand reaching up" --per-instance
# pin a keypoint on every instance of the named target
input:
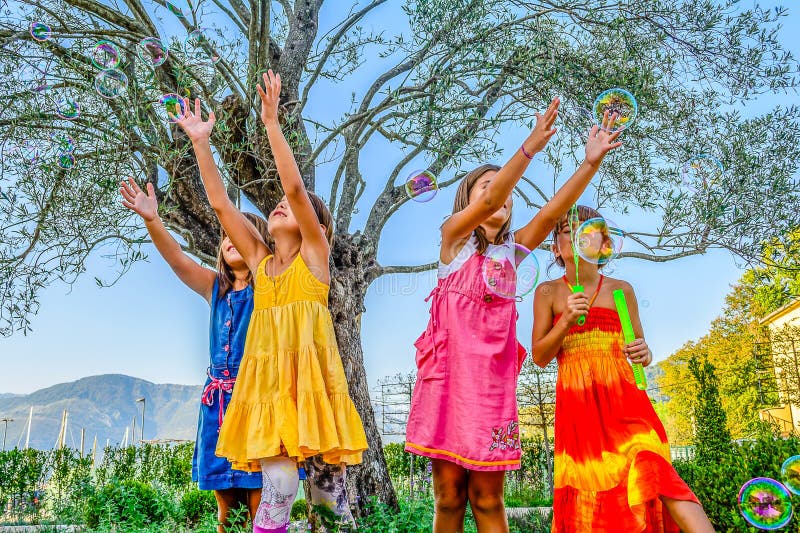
(192, 122)
(543, 130)
(601, 140)
(270, 98)
(134, 198)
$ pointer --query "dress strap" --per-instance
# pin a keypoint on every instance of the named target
(596, 291)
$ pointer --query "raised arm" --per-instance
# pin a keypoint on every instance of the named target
(198, 278)
(600, 142)
(241, 232)
(315, 247)
(461, 224)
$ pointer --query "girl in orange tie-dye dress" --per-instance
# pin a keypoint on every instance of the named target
(612, 460)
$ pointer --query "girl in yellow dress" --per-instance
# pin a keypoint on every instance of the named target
(291, 403)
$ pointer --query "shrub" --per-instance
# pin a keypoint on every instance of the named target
(531, 523)
(196, 504)
(128, 502)
(299, 510)
(716, 483)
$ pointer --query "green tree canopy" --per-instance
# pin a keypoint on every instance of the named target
(745, 373)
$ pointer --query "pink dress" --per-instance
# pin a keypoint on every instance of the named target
(464, 406)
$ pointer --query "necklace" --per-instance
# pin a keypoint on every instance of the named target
(596, 291)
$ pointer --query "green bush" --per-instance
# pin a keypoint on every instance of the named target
(521, 496)
(414, 516)
(716, 483)
(157, 464)
(128, 502)
(531, 523)
(398, 461)
(196, 504)
(299, 510)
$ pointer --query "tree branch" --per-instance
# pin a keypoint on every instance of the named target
(407, 269)
(109, 15)
(345, 26)
(393, 197)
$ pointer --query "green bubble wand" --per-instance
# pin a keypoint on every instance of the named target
(630, 336)
(574, 221)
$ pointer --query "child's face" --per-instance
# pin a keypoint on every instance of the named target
(282, 218)
(562, 247)
(499, 217)
(231, 255)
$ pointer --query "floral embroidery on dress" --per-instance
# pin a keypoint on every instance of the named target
(506, 438)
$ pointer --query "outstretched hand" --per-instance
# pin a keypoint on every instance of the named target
(544, 129)
(270, 97)
(602, 140)
(134, 198)
(192, 122)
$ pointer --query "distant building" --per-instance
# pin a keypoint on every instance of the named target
(784, 356)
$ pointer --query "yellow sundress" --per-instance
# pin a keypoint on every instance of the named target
(291, 396)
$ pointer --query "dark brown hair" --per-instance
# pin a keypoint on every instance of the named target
(584, 214)
(462, 201)
(225, 275)
(323, 215)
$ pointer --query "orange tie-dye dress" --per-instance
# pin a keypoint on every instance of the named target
(612, 460)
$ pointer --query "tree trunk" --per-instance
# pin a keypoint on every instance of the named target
(350, 278)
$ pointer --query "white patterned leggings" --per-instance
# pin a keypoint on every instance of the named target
(279, 489)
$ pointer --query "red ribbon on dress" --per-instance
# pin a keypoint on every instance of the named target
(220, 386)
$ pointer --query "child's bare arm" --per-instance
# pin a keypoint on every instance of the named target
(461, 224)
(547, 337)
(315, 249)
(145, 204)
(638, 351)
(241, 232)
(600, 142)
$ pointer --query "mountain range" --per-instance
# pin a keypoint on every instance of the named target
(104, 406)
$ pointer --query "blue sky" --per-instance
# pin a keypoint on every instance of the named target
(150, 326)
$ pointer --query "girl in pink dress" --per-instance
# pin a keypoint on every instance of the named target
(464, 411)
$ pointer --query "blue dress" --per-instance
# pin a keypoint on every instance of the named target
(230, 316)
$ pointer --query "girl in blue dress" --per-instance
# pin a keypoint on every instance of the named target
(229, 291)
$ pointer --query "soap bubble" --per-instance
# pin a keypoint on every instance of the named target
(598, 240)
(765, 503)
(40, 31)
(68, 109)
(790, 473)
(111, 83)
(152, 51)
(510, 270)
(173, 105)
(702, 172)
(66, 161)
(200, 49)
(421, 186)
(616, 101)
(105, 55)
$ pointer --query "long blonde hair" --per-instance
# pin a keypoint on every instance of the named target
(225, 276)
(462, 201)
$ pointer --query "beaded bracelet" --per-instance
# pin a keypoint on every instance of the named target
(526, 154)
